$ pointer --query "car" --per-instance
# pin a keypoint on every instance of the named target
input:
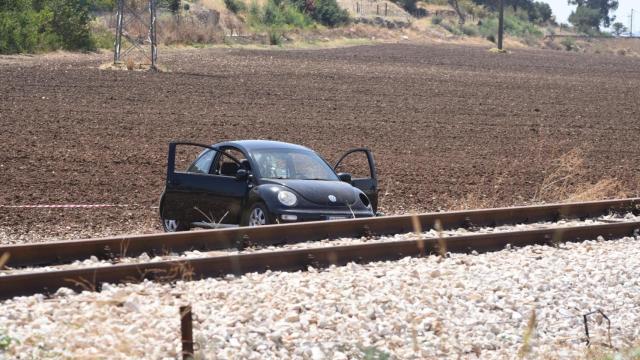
(262, 182)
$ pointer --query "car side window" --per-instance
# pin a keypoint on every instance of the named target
(203, 163)
(227, 167)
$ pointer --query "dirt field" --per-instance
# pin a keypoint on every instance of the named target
(450, 126)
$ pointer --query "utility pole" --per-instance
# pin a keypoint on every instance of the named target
(631, 24)
(501, 25)
(143, 37)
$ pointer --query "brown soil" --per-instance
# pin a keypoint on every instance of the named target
(450, 126)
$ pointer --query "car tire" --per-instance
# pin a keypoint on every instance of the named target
(171, 225)
(257, 215)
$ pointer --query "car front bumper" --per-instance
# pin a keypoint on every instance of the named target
(299, 215)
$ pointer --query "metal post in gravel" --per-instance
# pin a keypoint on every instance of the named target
(501, 24)
(186, 330)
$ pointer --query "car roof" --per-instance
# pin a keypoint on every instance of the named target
(251, 145)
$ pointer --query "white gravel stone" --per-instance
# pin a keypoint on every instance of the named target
(477, 307)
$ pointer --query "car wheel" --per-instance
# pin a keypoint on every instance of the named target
(258, 215)
(173, 225)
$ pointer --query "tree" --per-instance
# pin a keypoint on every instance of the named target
(461, 16)
(585, 19)
(618, 28)
(603, 8)
(174, 6)
(540, 12)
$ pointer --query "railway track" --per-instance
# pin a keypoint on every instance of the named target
(41, 254)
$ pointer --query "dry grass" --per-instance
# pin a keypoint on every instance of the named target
(191, 30)
(564, 182)
(529, 333)
(217, 5)
(629, 352)
(3, 259)
(130, 64)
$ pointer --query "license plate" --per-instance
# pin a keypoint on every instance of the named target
(336, 217)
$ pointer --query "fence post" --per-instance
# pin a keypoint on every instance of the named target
(385, 9)
(186, 331)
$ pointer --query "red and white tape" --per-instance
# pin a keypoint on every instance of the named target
(62, 206)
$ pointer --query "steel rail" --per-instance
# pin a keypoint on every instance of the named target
(297, 259)
(208, 240)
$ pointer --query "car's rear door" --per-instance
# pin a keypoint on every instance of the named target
(197, 195)
(359, 162)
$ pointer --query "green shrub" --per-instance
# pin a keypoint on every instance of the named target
(103, 38)
(71, 19)
(5, 342)
(469, 30)
(235, 6)
(18, 32)
(513, 25)
(44, 25)
(411, 7)
(568, 43)
(488, 27)
(517, 26)
(436, 20)
(326, 12)
(275, 38)
(451, 28)
(277, 15)
(103, 5)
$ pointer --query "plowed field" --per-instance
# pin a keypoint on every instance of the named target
(450, 126)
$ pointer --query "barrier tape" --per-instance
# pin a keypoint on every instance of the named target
(66, 206)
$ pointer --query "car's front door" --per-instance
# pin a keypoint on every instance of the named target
(198, 195)
(359, 162)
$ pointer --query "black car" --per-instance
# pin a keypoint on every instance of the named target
(259, 182)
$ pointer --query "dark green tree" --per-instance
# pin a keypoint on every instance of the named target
(540, 12)
(585, 19)
(618, 28)
(174, 6)
(70, 22)
(603, 7)
(326, 12)
(41, 25)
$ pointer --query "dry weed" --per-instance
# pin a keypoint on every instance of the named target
(3, 259)
(203, 29)
(528, 335)
(564, 182)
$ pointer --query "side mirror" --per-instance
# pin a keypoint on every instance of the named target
(242, 174)
(345, 177)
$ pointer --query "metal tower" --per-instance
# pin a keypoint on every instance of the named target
(136, 23)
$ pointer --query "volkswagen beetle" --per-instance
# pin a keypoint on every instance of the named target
(259, 182)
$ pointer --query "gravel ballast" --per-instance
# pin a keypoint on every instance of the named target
(467, 305)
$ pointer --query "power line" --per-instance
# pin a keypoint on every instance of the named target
(631, 24)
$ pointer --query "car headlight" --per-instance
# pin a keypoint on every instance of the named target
(287, 198)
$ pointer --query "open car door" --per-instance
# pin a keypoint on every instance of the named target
(360, 164)
(198, 195)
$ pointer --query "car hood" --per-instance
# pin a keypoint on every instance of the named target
(318, 191)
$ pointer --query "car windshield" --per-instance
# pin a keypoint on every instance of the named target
(292, 164)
